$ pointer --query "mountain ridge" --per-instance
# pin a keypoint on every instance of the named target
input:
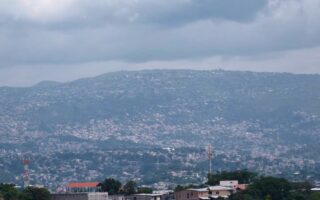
(248, 117)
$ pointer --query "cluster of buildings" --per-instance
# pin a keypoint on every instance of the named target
(224, 190)
(91, 191)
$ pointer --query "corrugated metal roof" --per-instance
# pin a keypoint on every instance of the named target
(82, 184)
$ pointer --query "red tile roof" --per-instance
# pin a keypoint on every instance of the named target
(82, 184)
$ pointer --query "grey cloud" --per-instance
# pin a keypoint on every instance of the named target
(164, 12)
(144, 30)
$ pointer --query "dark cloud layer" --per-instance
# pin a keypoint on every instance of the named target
(59, 33)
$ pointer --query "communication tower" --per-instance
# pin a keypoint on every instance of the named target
(26, 179)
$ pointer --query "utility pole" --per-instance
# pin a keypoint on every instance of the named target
(158, 163)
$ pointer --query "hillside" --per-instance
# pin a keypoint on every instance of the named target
(254, 118)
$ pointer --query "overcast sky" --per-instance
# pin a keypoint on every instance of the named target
(64, 40)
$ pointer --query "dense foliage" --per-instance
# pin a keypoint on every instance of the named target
(273, 188)
(111, 186)
(130, 188)
(10, 192)
(243, 176)
(145, 190)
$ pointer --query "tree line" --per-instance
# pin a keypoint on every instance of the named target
(10, 192)
(114, 187)
(261, 187)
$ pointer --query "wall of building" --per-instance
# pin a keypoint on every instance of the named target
(116, 197)
(80, 196)
(98, 196)
(69, 196)
(143, 197)
(190, 195)
(221, 193)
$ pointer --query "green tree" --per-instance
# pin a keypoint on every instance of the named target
(268, 197)
(111, 186)
(276, 188)
(302, 187)
(9, 192)
(145, 190)
(178, 188)
(130, 188)
(243, 176)
(314, 196)
(33, 193)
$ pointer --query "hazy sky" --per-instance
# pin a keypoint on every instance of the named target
(66, 39)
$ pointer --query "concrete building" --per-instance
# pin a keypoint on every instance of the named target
(80, 196)
(316, 189)
(144, 197)
(220, 191)
(75, 187)
(192, 194)
(229, 183)
(233, 184)
(116, 197)
(165, 195)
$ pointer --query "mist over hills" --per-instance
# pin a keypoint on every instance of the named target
(246, 116)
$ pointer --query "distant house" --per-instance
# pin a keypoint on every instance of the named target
(220, 191)
(233, 184)
(242, 187)
(229, 183)
(75, 187)
(192, 194)
(166, 195)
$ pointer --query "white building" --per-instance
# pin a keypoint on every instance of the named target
(229, 183)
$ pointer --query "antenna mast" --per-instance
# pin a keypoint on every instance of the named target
(210, 158)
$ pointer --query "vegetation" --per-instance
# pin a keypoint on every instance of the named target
(261, 187)
(130, 188)
(111, 186)
(32, 193)
(273, 188)
(145, 190)
(10, 192)
(243, 176)
(181, 187)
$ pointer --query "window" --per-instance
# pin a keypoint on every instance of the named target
(217, 192)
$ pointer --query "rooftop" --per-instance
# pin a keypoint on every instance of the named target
(220, 188)
(82, 184)
(199, 189)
